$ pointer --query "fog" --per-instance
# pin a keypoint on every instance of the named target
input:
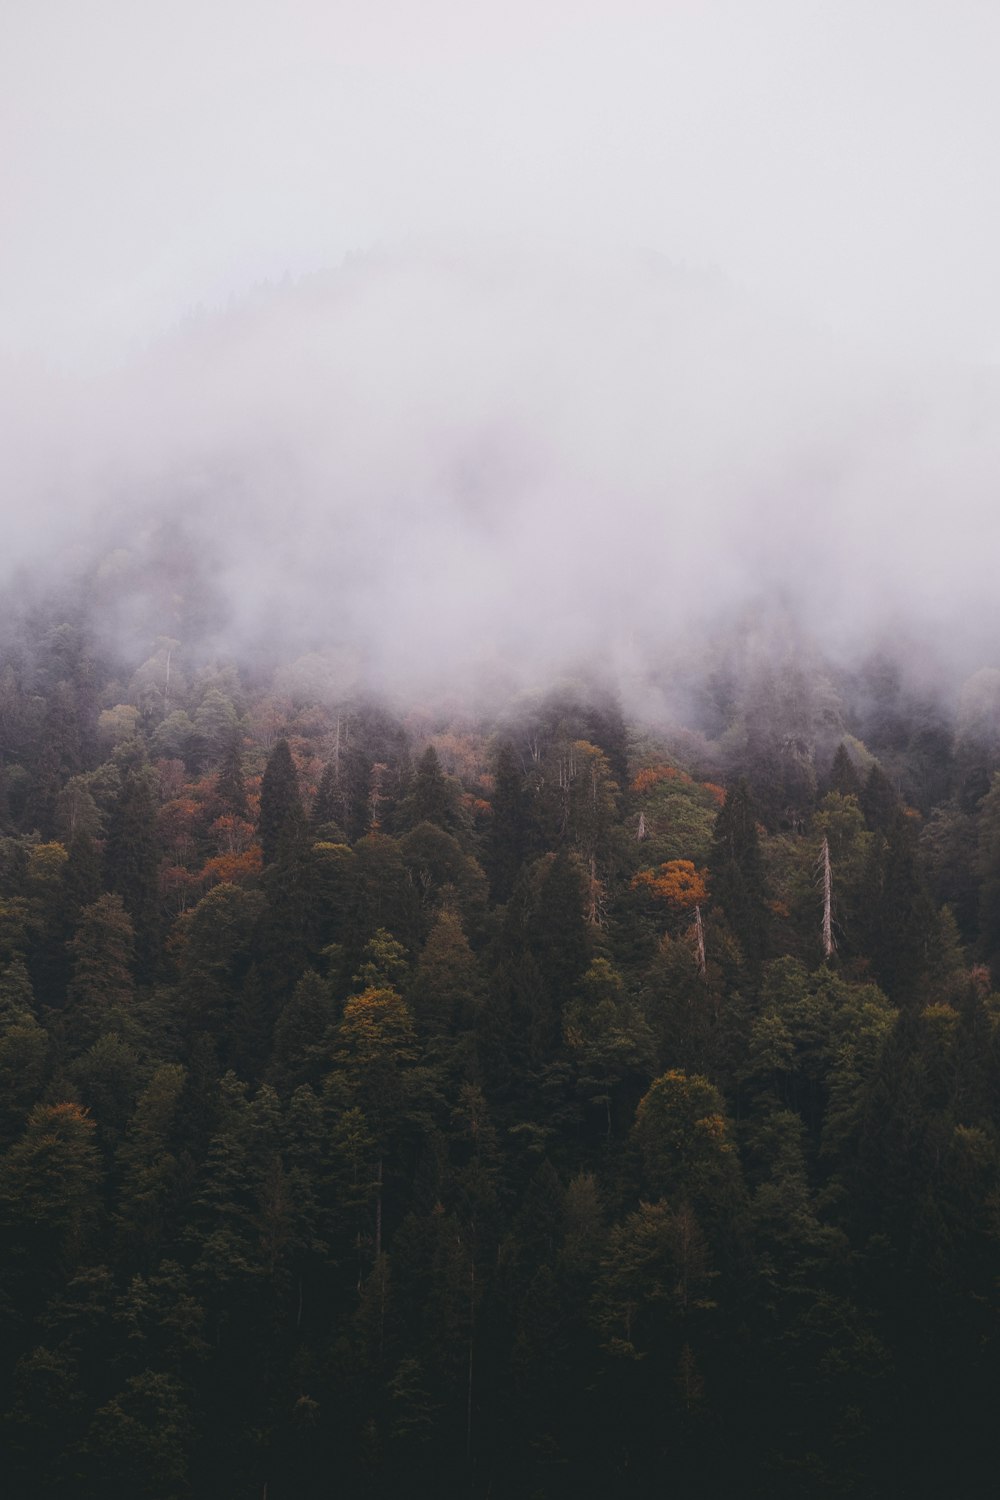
(473, 346)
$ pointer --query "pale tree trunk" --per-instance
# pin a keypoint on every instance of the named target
(593, 909)
(375, 798)
(641, 832)
(827, 877)
(699, 936)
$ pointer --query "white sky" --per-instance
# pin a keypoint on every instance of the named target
(836, 157)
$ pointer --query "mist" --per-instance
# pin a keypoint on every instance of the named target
(471, 351)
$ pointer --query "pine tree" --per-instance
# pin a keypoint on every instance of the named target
(446, 989)
(508, 831)
(132, 862)
(282, 821)
(843, 777)
(102, 986)
(558, 931)
(81, 877)
(324, 818)
(230, 788)
(297, 1054)
(880, 802)
(736, 870)
(431, 798)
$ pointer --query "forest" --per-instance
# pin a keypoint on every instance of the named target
(543, 1100)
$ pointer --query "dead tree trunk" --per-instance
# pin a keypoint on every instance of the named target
(699, 934)
(827, 879)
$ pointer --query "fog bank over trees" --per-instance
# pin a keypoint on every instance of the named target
(455, 463)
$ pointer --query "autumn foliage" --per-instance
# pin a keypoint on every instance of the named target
(677, 883)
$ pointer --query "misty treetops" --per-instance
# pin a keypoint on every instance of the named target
(407, 1101)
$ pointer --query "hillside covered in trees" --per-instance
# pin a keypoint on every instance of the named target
(527, 1102)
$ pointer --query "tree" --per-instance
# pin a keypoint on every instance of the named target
(608, 1038)
(49, 1194)
(446, 990)
(132, 861)
(148, 1166)
(686, 1141)
(736, 873)
(230, 787)
(843, 778)
(508, 829)
(431, 798)
(282, 822)
(324, 819)
(375, 1045)
(101, 989)
(557, 928)
(297, 1052)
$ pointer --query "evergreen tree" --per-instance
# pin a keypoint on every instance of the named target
(324, 818)
(101, 989)
(230, 788)
(446, 989)
(880, 801)
(843, 777)
(431, 798)
(297, 1054)
(508, 830)
(736, 871)
(282, 822)
(558, 931)
(81, 877)
(132, 861)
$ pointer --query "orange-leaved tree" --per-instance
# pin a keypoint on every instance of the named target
(677, 882)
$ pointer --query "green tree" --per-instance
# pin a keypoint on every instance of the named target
(230, 787)
(49, 1196)
(282, 822)
(132, 860)
(508, 829)
(737, 879)
(432, 798)
(101, 989)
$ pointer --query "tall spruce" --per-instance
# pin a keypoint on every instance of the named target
(737, 875)
(431, 798)
(508, 831)
(843, 777)
(132, 859)
(230, 787)
(325, 813)
(282, 821)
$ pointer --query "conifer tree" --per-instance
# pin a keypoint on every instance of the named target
(81, 877)
(880, 802)
(508, 830)
(297, 1054)
(230, 788)
(446, 989)
(843, 777)
(282, 821)
(326, 808)
(431, 799)
(558, 931)
(737, 877)
(132, 861)
(102, 952)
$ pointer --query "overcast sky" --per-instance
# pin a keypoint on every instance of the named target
(649, 311)
(835, 156)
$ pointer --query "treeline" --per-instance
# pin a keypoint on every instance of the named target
(406, 1104)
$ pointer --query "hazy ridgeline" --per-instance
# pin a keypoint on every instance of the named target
(455, 469)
